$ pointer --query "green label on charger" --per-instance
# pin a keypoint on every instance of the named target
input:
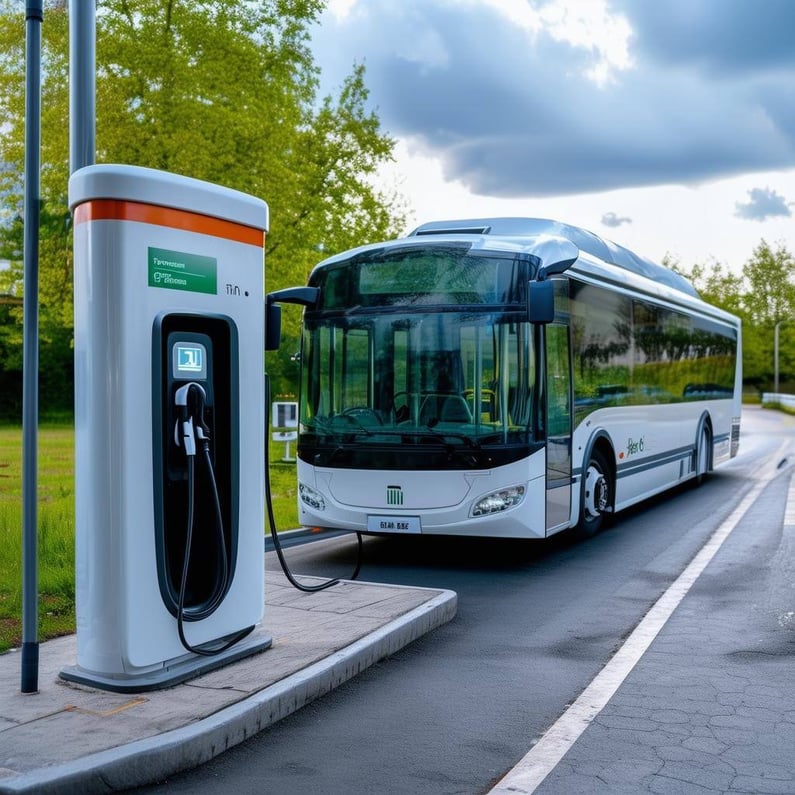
(176, 270)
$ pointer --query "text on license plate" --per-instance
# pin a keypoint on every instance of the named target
(393, 524)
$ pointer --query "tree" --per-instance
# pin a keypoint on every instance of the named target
(55, 278)
(768, 298)
(770, 284)
(219, 90)
(719, 286)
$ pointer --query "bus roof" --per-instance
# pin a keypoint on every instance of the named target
(604, 250)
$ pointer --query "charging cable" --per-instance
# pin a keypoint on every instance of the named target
(190, 429)
(193, 435)
(272, 522)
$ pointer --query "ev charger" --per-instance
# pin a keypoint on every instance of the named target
(169, 426)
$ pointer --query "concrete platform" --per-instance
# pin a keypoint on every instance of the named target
(72, 738)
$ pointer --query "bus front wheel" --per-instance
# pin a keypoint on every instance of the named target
(597, 495)
(703, 459)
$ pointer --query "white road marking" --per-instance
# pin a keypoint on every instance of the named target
(789, 513)
(543, 757)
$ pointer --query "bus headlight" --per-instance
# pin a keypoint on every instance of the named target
(498, 501)
(314, 499)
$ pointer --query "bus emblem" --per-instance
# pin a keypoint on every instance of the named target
(394, 495)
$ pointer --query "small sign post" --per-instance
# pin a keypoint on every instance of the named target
(284, 420)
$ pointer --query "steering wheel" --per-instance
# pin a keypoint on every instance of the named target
(362, 414)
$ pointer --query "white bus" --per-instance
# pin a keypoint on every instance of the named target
(505, 377)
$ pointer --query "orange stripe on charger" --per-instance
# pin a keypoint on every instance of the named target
(118, 210)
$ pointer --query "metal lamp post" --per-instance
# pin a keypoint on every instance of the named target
(82, 29)
(775, 356)
(34, 15)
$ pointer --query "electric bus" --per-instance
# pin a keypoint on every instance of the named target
(505, 377)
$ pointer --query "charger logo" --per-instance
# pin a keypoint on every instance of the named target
(394, 495)
(190, 359)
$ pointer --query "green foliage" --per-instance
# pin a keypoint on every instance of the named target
(719, 286)
(769, 298)
(762, 295)
(56, 536)
(55, 506)
(217, 90)
(770, 285)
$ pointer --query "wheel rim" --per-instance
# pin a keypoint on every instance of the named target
(596, 495)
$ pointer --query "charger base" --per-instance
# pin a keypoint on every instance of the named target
(172, 673)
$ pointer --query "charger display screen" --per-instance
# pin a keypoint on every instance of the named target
(189, 361)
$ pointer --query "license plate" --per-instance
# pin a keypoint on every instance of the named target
(393, 524)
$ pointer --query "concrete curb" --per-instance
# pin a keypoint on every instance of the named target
(146, 761)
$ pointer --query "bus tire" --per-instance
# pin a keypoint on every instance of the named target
(596, 496)
(702, 460)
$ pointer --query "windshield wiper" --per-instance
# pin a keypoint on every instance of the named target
(328, 426)
(472, 442)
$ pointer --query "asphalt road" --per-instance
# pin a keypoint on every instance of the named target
(536, 622)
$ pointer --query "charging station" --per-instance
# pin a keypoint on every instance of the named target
(169, 426)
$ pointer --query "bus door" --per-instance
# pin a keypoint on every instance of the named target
(558, 425)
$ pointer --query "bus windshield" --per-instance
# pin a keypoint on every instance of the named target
(423, 275)
(391, 388)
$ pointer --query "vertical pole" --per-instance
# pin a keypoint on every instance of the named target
(82, 84)
(775, 358)
(34, 15)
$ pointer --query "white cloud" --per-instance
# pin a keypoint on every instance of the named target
(563, 108)
(340, 9)
(511, 114)
(590, 25)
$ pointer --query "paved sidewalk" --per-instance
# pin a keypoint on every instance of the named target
(71, 738)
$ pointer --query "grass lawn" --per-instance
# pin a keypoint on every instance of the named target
(56, 507)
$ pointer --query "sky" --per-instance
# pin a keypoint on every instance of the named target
(668, 127)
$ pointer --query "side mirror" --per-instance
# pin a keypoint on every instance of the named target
(540, 302)
(303, 296)
(557, 255)
(273, 326)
